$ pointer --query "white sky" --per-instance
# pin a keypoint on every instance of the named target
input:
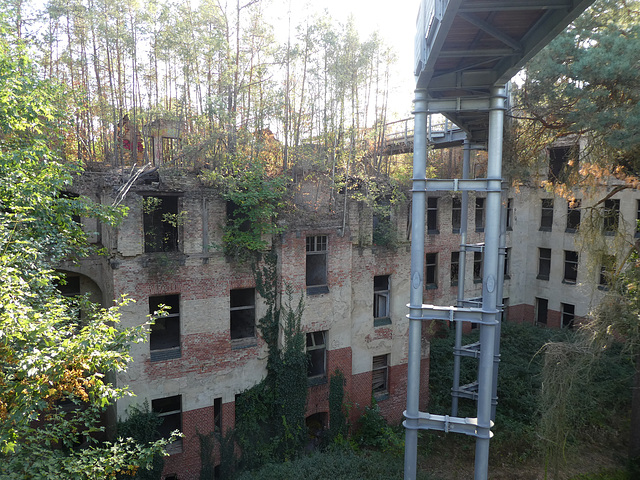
(395, 21)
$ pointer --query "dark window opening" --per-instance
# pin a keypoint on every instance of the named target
(507, 266)
(242, 313)
(169, 411)
(607, 269)
(316, 273)
(234, 216)
(542, 305)
(544, 263)
(455, 268)
(431, 271)
(164, 340)
(380, 376)
(570, 266)
(160, 219)
(611, 216)
(432, 215)
(510, 214)
(568, 315)
(316, 355)
(217, 414)
(477, 267)
(480, 214)
(546, 220)
(573, 215)
(561, 160)
(381, 290)
(456, 214)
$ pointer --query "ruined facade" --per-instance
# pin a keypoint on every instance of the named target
(208, 349)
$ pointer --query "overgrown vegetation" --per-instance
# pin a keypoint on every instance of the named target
(270, 417)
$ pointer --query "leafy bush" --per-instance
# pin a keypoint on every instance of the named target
(337, 464)
(373, 431)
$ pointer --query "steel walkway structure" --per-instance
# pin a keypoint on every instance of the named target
(465, 53)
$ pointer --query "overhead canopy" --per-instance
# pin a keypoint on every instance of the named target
(465, 47)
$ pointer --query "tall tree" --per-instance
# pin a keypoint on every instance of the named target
(53, 361)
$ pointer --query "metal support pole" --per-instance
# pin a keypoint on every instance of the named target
(489, 282)
(499, 292)
(462, 262)
(417, 273)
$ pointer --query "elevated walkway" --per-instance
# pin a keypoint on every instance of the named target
(465, 47)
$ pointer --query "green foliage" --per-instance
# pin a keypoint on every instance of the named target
(373, 431)
(585, 82)
(270, 423)
(336, 464)
(519, 382)
(141, 425)
(53, 384)
(337, 415)
(257, 199)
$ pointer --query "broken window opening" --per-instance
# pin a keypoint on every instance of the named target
(611, 216)
(381, 305)
(431, 271)
(164, 339)
(432, 215)
(544, 263)
(217, 414)
(480, 214)
(542, 305)
(380, 377)
(573, 216)
(456, 214)
(161, 221)
(235, 216)
(561, 161)
(477, 267)
(242, 314)
(546, 219)
(455, 268)
(316, 355)
(570, 267)
(507, 266)
(316, 271)
(568, 313)
(169, 411)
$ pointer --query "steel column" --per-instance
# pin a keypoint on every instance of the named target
(417, 273)
(462, 263)
(489, 283)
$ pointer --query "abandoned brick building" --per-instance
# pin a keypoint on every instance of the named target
(208, 349)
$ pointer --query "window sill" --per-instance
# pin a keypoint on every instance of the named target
(431, 286)
(164, 354)
(480, 230)
(604, 288)
(315, 381)
(381, 396)
(433, 232)
(240, 343)
(174, 447)
(542, 277)
(570, 230)
(317, 290)
(569, 282)
(477, 280)
(382, 321)
(544, 229)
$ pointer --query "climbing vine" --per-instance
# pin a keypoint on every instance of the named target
(253, 201)
(270, 417)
